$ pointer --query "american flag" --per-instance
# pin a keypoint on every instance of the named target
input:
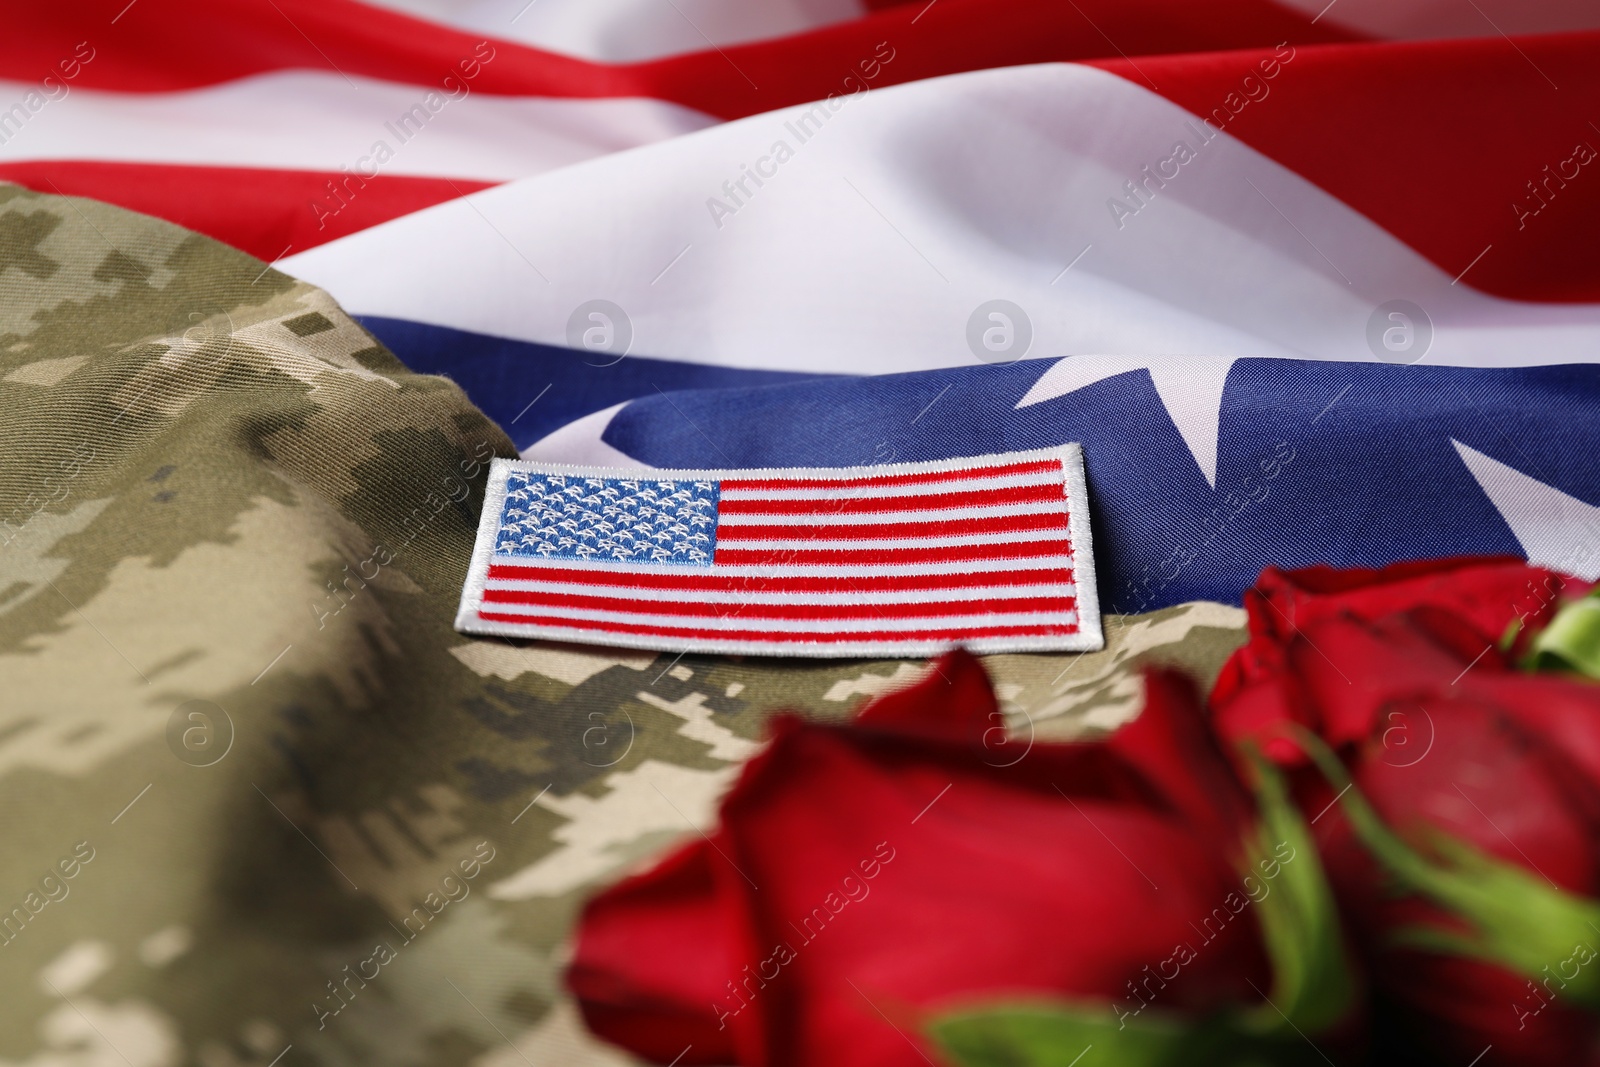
(897, 560)
(465, 177)
(1309, 281)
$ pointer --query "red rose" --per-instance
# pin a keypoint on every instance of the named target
(1401, 672)
(865, 875)
(1487, 593)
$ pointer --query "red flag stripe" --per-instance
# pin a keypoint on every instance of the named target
(643, 597)
(785, 557)
(1043, 520)
(167, 45)
(996, 511)
(1029, 494)
(884, 481)
(874, 610)
(702, 637)
(930, 538)
(969, 481)
(1520, 103)
(1046, 572)
(263, 212)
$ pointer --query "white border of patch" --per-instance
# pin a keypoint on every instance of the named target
(1089, 637)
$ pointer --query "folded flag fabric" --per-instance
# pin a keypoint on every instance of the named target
(991, 552)
(1200, 471)
(1138, 176)
(1117, 218)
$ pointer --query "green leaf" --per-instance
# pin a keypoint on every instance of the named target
(1514, 917)
(1055, 1037)
(1572, 640)
(1048, 1035)
(1064, 1036)
(1312, 983)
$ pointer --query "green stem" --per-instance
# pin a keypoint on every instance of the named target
(1571, 641)
(1513, 917)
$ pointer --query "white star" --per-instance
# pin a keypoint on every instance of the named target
(1189, 386)
(580, 442)
(1556, 531)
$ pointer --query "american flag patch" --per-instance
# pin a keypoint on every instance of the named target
(908, 559)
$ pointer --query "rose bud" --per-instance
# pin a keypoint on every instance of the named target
(868, 879)
(1478, 773)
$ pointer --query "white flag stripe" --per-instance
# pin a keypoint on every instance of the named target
(818, 645)
(623, 31)
(799, 570)
(977, 484)
(874, 518)
(831, 625)
(867, 544)
(322, 121)
(981, 593)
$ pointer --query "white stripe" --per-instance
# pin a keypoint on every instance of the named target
(866, 544)
(712, 624)
(1076, 641)
(1000, 511)
(802, 570)
(311, 120)
(1064, 455)
(979, 483)
(998, 206)
(900, 596)
(620, 31)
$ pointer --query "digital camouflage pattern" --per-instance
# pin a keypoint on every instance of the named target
(259, 803)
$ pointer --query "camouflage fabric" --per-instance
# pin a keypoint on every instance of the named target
(261, 805)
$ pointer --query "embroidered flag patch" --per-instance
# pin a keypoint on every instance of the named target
(908, 559)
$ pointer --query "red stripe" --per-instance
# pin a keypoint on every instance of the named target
(1022, 494)
(929, 610)
(882, 556)
(167, 45)
(262, 212)
(712, 582)
(1478, 117)
(1047, 520)
(1036, 467)
(964, 634)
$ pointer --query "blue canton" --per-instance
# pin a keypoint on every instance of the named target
(625, 520)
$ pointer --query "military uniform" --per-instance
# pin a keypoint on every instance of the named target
(305, 820)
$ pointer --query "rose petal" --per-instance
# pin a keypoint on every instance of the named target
(889, 885)
(653, 954)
